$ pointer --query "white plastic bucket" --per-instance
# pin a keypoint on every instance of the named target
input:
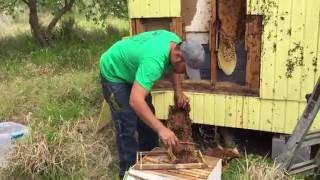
(9, 131)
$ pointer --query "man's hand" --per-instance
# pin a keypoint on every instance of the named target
(168, 137)
(181, 100)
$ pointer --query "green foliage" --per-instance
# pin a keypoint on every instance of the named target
(96, 10)
(100, 10)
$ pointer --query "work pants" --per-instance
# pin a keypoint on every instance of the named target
(132, 134)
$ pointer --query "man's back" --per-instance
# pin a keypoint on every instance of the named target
(142, 58)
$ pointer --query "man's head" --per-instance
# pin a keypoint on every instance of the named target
(187, 56)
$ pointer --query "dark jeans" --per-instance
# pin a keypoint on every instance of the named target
(127, 123)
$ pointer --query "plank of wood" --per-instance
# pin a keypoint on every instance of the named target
(175, 175)
(292, 115)
(253, 47)
(310, 49)
(230, 114)
(209, 100)
(254, 113)
(239, 111)
(213, 48)
(188, 174)
(227, 88)
(266, 115)
(281, 48)
(245, 113)
(297, 45)
(268, 54)
(164, 10)
(279, 108)
(198, 113)
(177, 26)
(220, 110)
(175, 8)
(133, 27)
(253, 7)
(139, 25)
(158, 101)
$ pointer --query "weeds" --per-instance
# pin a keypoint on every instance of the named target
(252, 167)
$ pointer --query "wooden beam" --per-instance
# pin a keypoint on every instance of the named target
(253, 47)
(139, 25)
(213, 43)
(133, 26)
(177, 26)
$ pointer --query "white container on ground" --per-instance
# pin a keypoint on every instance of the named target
(215, 169)
(9, 131)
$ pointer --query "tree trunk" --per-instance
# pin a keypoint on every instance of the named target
(66, 8)
(36, 29)
(44, 37)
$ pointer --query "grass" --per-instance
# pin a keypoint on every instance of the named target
(256, 167)
(56, 92)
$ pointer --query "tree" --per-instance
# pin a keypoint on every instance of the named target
(97, 10)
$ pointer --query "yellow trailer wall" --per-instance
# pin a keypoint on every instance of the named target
(289, 67)
(154, 8)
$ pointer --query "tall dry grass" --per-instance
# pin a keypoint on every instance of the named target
(74, 151)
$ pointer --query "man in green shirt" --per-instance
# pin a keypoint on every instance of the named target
(128, 71)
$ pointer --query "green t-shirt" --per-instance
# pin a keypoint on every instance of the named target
(143, 58)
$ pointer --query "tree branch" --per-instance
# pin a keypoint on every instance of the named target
(26, 2)
(67, 7)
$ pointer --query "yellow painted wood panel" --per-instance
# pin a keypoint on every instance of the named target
(318, 52)
(254, 113)
(175, 8)
(191, 102)
(168, 100)
(159, 104)
(316, 125)
(208, 109)
(219, 109)
(198, 108)
(310, 49)
(295, 54)
(278, 116)
(292, 115)
(269, 39)
(163, 9)
(266, 115)
(239, 111)
(253, 6)
(231, 111)
(279, 112)
(281, 47)
(154, 8)
(245, 112)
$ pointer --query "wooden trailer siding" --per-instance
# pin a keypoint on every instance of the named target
(237, 111)
(290, 47)
(154, 8)
(289, 67)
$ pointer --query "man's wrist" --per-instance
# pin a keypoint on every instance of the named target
(159, 128)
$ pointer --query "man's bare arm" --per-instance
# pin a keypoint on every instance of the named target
(180, 98)
(139, 105)
(176, 80)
